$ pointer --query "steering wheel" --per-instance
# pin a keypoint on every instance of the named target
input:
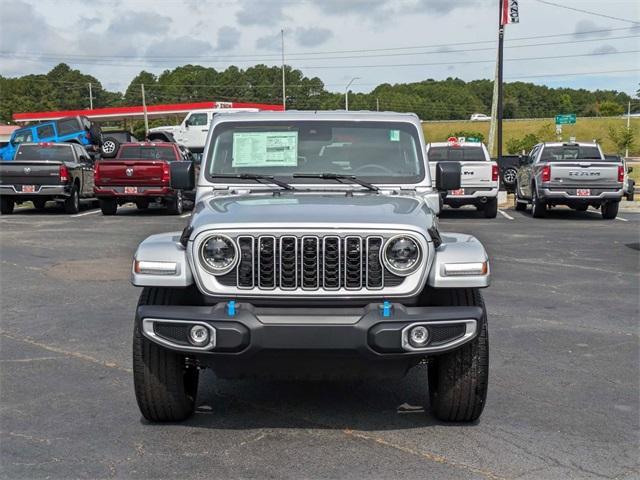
(372, 166)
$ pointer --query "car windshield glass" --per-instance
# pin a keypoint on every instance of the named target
(45, 152)
(136, 152)
(570, 152)
(376, 152)
(456, 154)
(22, 136)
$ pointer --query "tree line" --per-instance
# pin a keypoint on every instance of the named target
(65, 88)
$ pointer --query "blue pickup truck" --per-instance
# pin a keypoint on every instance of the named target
(78, 129)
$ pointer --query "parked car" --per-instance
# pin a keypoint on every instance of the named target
(193, 130)
(480, 178)
(480, 117)
(139, 173)
(112, 139)
(41, 172)
(308, 262)
(572, 174)
(78, 129)
(508, 165)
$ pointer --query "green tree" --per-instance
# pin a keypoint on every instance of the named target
(610, 109)
(623, 138)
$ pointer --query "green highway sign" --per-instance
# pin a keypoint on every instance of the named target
(566, 119)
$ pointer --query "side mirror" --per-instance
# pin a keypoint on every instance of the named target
(187, 123)
(182, 176)
(630, 169)
(448, 176)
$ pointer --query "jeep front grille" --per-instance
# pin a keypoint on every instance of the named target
(310, 262)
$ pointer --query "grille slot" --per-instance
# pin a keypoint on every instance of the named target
(267, 262)
(246, 265)
(375, 270)
(310, 254)
(353, 263)
(288, 262)
(331, 263)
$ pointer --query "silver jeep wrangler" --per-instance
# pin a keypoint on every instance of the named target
(313, 252)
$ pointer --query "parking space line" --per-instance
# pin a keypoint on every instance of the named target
(505, 215)
(90, 212)
(622, 219)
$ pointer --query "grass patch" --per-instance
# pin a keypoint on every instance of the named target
(586, 129)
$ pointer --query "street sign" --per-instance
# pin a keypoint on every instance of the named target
(566, 119)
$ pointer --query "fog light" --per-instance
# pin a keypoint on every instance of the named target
(418, 336)
(199, 335)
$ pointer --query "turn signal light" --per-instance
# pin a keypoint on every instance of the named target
(166, 174)
(546, 173)
(620, 173)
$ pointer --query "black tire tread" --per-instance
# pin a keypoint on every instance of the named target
(458, 380)
(158, 372)
(610, 210)
(6, 205)
(108, 206)
(490, 209)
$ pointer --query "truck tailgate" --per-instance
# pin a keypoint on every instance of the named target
(473, 174)
(25, 172)
(132, 172)
(588, 174)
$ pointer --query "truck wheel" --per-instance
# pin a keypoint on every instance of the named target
(610, 210)
(72, 204)
(538, 207)
(108, 206)
(458, 380)
(165, 385)
(519, 205)
(175, 205)
(39, 203)
(6, 205)
(509, 177)
(491, 208)
(109, 147)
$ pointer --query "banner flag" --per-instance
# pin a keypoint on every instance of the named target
(510, 13)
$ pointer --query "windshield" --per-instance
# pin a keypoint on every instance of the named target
(45, 152)
(136, 152)
(570, 152)
(456, 154)
(378, 152)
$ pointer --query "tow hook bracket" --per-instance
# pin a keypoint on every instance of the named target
(231, 308)
(386, 309)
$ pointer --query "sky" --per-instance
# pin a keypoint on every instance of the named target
(377, 41)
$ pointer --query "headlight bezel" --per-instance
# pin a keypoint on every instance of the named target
(210, 268)
(407, 271)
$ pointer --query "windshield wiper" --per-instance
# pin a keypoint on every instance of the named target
(339, 178)
(256, 177)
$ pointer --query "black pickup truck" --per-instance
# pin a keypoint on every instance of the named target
(40, 172)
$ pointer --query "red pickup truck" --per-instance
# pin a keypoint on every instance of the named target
(139, 173)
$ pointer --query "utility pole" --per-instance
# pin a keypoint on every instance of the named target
(284, 88)
(90, 97)
(626, 152)
(377, 104)
(346, 93)
(500, 75)
(144, 110)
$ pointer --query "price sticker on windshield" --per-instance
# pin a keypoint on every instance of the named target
(394, 135)
(265, 149)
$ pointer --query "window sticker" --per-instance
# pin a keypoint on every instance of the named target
(265, 149)
(394, 135)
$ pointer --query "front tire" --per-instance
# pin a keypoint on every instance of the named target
(518, 205)
(6, 205)
(610, 210)
(72, 204)
(490, 208)
(165, 385)
(108, 206)
(458, 380)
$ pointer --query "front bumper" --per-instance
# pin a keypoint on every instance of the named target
(242, 330)
(40, 191)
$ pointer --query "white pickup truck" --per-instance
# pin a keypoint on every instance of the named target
(193, 130)
(480, 175)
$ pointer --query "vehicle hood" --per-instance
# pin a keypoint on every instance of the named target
(302, 210)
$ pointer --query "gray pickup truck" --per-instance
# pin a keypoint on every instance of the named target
(40, 172)
(572, 174)
(313, 252)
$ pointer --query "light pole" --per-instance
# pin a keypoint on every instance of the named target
(346, 93)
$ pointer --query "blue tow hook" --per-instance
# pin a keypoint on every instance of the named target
(386, 308)
(231, 308)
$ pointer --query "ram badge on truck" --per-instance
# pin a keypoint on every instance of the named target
(313, 251)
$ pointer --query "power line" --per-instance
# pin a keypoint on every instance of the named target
(587, 12)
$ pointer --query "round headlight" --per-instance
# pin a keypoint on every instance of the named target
(219, 254)
(401, 255)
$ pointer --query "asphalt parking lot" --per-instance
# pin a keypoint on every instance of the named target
(564, 375)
